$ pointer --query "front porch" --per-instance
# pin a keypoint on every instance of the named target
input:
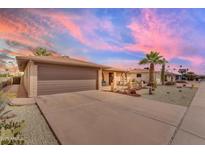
(114, 78)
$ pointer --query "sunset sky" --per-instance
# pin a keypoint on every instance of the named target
(116, 37)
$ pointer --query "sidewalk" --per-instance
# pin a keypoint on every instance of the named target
(192, 129)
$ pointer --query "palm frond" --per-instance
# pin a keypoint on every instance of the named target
(153, 57)
(160, 61)
(144, 61)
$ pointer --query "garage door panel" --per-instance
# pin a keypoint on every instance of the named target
(53, 78)
(62, 86)
(60, 72)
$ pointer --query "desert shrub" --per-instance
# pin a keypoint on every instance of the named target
(10, 132)
(131, 91)
(170, 83)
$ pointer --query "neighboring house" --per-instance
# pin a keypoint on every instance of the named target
(114, 75)
(170, 77)
(45, 75)
(143, 75)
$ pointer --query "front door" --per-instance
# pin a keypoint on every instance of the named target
(111, 77)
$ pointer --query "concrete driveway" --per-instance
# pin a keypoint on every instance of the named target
(94, 117)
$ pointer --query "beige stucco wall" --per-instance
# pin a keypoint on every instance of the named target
(133, 76)
(30, 79)
(144, 77)
(99, 79)
(25, 78)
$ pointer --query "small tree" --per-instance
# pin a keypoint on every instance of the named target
(42, 52)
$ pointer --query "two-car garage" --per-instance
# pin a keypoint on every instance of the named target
(52, 75)
(59, 79)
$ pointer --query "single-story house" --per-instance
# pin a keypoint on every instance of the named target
(143, 75)
(45, 75)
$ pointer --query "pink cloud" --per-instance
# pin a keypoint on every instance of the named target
(19, 52)
(195, 60)
(152, 33)
(23, 30)
(82, 28)
(22, 52)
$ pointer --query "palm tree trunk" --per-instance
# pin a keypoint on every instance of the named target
(163, 74)
(172, 78)
(151, 75)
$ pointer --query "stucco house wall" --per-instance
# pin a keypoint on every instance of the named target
(144, 76)
(30, 79)
(133, 76)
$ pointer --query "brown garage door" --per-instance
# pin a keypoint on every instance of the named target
(54, 79)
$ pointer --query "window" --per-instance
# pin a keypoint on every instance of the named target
(139, 75)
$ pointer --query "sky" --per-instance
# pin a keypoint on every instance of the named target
(115, 37)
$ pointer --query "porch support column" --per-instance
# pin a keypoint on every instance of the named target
(100, 79)
(114, 80)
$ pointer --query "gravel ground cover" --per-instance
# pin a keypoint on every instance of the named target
(36, 130)
(171, 94)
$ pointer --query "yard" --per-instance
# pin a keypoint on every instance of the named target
(171, 94)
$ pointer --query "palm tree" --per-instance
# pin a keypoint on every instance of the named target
(164, 61)
(152, 58)
(42, 52)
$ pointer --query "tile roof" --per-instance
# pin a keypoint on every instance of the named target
(22, 61)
